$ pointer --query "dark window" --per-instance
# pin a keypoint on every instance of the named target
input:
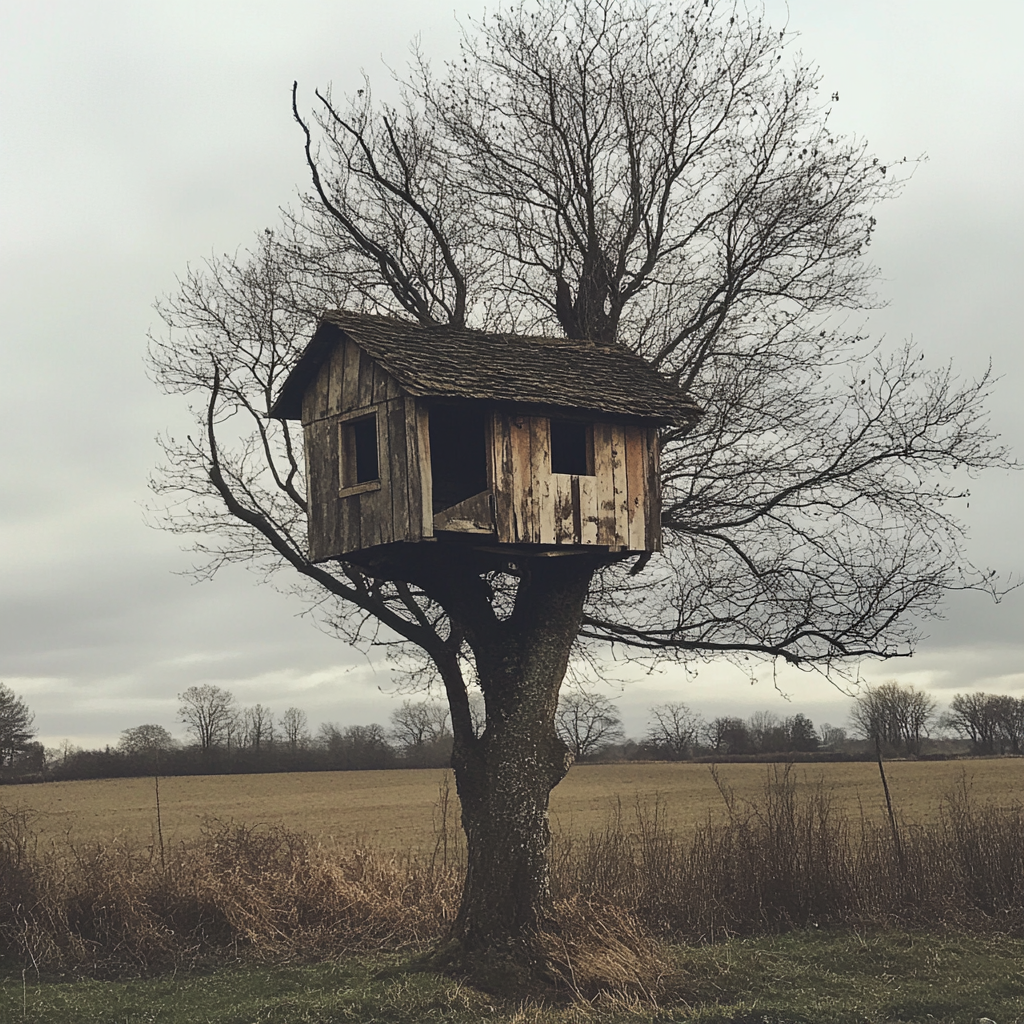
(572, 448)
(458, 454)
(360, 463)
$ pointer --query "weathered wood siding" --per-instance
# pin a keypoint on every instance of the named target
(350, 385)
(618, 507)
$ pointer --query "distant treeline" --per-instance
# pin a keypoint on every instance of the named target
(888, 720)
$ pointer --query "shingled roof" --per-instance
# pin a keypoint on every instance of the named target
(445, 363)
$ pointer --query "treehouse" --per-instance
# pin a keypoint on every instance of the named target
(512, 445)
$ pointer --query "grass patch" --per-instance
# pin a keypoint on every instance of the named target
(798, 978)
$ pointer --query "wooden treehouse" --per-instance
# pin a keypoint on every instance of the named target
(513, 445)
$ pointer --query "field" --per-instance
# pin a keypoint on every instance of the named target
(398, 809)
(309, 897)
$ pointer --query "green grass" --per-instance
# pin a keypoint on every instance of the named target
(798, 978)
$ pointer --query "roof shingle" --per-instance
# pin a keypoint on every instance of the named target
(445, 363)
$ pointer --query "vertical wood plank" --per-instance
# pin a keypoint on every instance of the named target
(636, 487)
(364, 394)
(426, 481)
(620, 486)
(541, 478)
(314, 401)
(380, 384)
(604, 484)
(337, 376)
(378, 503)
(653, 489)
(414, 484)
(562, 494)
(502, 477)
(588, 510)
(523, 517)
(399, 469)
(350, 383)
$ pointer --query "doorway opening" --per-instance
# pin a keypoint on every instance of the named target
(458, 454)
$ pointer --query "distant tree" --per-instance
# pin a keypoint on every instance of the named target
(257, 727)
(726, 735)
(419, 724)
(146, 740)
(832, 736)
(586, 722)
(993, 723)
(15, 726)
(895, 718)
(208, 712)
(673, 729)
(800, 733)
(356, 746)
(294, 725)
(767, 733)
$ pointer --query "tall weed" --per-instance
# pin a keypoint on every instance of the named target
(787, 860)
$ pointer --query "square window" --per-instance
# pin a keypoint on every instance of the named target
(572, 448)
(360, 463)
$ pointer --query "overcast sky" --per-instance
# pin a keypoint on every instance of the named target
(136, 137)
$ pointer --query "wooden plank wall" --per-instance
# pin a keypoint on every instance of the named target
(349, 382)
(617, 507)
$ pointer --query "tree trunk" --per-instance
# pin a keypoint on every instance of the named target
(504, 777)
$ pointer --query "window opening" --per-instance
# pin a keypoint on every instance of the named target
(458, 454)
(360, 461)
(572, 448)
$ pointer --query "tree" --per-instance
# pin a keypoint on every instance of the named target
(767, 733)
(587, 721)
(356, 746)
(993, 723)
(673, 730)
(146, 740)
(662, 178)
(800, 733)
(257, 725)
(893, 717)
(208, 712)
(15, 726)
(294, 725)
(417, 724)
(832, 736)
(728, 735)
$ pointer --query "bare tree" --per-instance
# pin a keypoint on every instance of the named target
(356, 746)
(993, 723)
(673, 729)
(257, 725)
(15, 726)
(832, 737)
(586, 722)
(419, 724)
(631, 173)
(208, 712)
(895, 718)
(295, 727)
(767, 733)
(728, 735)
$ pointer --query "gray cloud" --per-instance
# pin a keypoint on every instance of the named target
(138, 138)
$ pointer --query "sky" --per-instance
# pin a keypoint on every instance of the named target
(138, 137)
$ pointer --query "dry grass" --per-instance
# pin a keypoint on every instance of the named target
(393, 810)
(789, 857)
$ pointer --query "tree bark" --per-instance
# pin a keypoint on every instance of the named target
(505, 776)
